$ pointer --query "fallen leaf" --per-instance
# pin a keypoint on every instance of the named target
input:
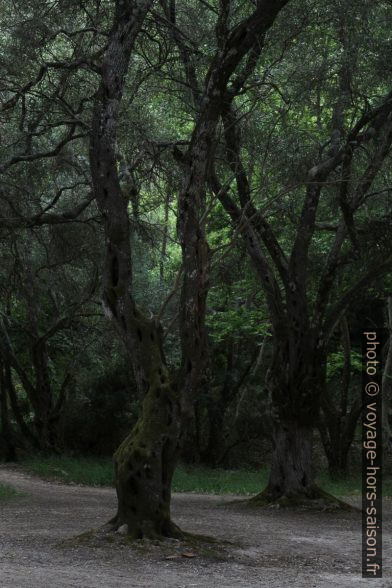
(188, 554)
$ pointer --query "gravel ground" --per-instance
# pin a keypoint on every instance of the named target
(269, 547)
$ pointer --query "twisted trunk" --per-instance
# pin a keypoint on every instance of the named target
(295, 390)
(145, 461)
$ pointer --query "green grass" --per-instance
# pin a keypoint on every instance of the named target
(83, 470)
(99, 472)
(244, 482)
(352, 486)
(217, 481)
(7, 492)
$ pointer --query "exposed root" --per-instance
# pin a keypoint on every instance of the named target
(314, 499)
(182, 546)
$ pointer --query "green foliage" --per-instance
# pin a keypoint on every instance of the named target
(285, 111)
(335, 363)
(237, 323)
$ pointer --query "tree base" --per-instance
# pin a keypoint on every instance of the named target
(186, 545)
(167, 530)
(313, 498)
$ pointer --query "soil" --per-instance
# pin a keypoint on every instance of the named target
(269, 547)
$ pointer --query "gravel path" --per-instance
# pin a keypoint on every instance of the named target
(270, 548)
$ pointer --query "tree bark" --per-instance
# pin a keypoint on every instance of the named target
(291, 469)
(337, 465)
(295, 388)
(145, 461)
(6, 428)
(38, 392)
(300, 330)
(24, 428)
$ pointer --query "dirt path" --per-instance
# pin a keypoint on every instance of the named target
(271, 548)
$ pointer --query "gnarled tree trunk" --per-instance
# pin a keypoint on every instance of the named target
(145, 461)
(295, 390)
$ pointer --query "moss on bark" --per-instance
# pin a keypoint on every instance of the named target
(145, 461)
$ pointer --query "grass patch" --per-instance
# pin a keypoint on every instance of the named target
(351, 486)
(7, 492)
(99, 472)
(244, 482)
(217, 481)
(83, 470)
